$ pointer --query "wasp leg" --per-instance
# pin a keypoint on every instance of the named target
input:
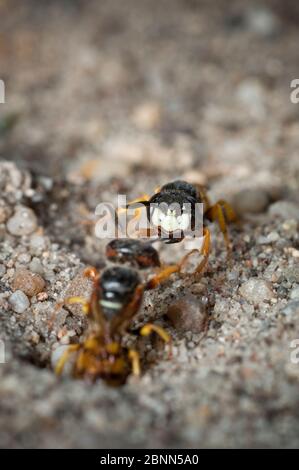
(147, 329)
(162, 275)
(139, 200)
(70, 300)
(78, 300)
(139, 203)
(91, 273)
(64, 358)
(135, 361)
(223, 213)
(203, 196)
(204, 251)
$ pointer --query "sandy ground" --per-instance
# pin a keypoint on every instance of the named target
(115, 97)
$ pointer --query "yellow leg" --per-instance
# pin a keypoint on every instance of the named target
(147, 329)
(135, 360)
(79, 300)
(205, 251)
(92, 273)
(202, 196)
(137, 212)
(61, 363)
(223, 213)
(141, 199)
(70, 300)
(162, 275)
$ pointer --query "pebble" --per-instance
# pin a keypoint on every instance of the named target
(292, 308)
(36, 266)
(272, 237)
(23, 222)
(38, 243)
(147, 115)
(294, 294)
(263, 22)
(252, 201)
(290, 227)
(28, 282)
(2, 270)
(292, 273)
(24, 258)
(285, 210)
(187, 314)
(19, 301)
(42, 296)
(256, 290)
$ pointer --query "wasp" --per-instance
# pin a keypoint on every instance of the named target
(172, 211)
(115, 300)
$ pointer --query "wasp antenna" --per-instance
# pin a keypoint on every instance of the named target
(137, 204)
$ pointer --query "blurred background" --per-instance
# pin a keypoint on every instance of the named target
(178, 87)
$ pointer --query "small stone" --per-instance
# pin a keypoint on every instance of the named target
(2, 270)
(285, 210)
(19, 301)
(256, 290)
(38, 243)
(28, 282)
(147, 115)
(290, 226)
(23, 222)
(262, 21)
(292, 308)
(24, 258)
(188, 314)
(252, 201)
(36, 266)
(42, 296)
(291, 273)
(272, 237)
(294, 294)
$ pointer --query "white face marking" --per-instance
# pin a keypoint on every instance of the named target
(111, 305)
(170, 222)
